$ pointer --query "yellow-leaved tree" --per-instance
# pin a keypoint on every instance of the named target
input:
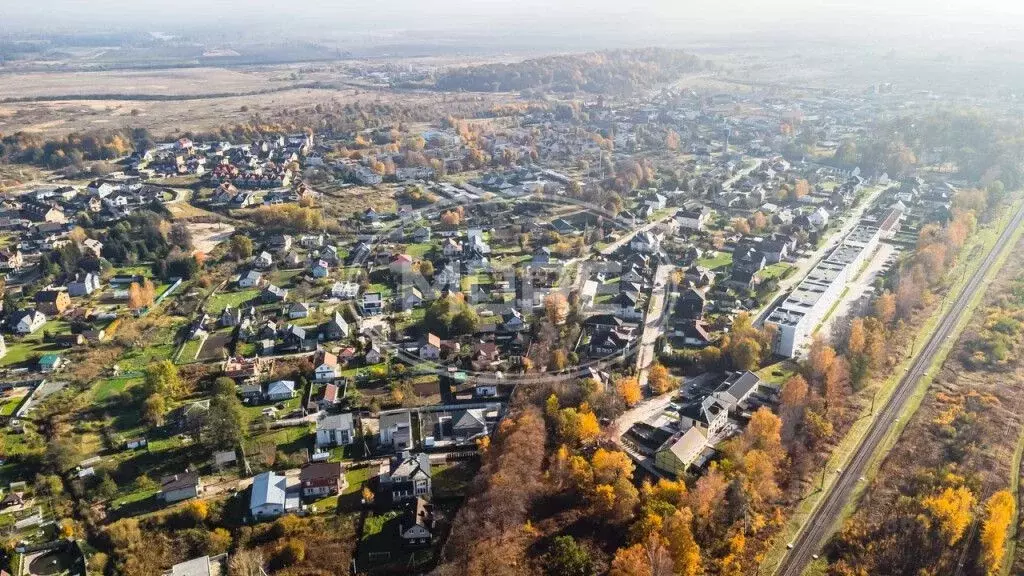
(998, 516)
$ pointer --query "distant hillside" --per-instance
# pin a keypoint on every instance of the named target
(618, 71)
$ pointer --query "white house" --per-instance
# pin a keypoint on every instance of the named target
(334, 430)
(250, 279)
(84, 284)
(269, 498)
(328, 369)
(280, 390)
(264, 260)
(29, 322)
(345, 290)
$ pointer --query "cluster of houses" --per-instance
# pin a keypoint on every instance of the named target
(684, 434)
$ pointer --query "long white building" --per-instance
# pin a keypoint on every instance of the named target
(806, 306)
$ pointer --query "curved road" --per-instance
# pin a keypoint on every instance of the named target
(820, 524)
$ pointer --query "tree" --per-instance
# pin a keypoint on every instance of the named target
(951, 509)
(857, 340)
(154, 409)
(246, 563)
(764, 432)
(740, 226)
(672, 140)
(800, 189)
(241, 247)
(626, 499)
(226, 422)
(610, 465)
(885, 308)
(659, 379)
(632, 561)
(628, 390)
(559, 360)
(710, 357)
(999, 514)
(290, 553)
(162, 378)
(837, 382)
(682, 547)
(556, 307)
(135, 298)
(567, 558)
(426, 268)
(745, 354)
(819, 360)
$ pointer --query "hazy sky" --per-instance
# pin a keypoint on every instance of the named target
(986, 19)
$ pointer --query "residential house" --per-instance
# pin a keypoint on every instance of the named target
(690, 305)
(430, 349)
(411, 298)
(230, 316)
(694, 333)
(451, 248)
(202, 566)
(298, 310)
(320, 269)
(280, 390)
(736, 389)
(319, 479)
(335, 430)
(336, 328)
(694, 219)
(50, 363)
(269, 497)
(294, 337)
(610, 342)
(373, 354)
(407, 477)
(326, 368)
(11, 260)
(28, 321)
(178, 487)
(646, 242)
(250, 279)
(708, 413)
(371, 304)
(626, 305)
(263, 261)
(273, 294)
(345, 290)
(395, 429)
(52, 302)
(330, 396)
(84, 284)
(416, 526)
(681, 450)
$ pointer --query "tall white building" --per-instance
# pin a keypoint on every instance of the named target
(806, 306)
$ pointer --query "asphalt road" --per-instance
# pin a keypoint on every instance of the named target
(820, 524)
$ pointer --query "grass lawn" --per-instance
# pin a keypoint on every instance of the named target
(288, 440)
(779, 270)
(189, 351)
(221, 300)
(375, 523)
(10, 405)
(719, 260)
(356, 477)
(420, 250)
(113, 386)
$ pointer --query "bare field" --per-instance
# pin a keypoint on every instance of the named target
(169, 82)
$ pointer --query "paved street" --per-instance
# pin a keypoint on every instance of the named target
(654, 324)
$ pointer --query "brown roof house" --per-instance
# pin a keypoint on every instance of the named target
(178, 487)
(322, 479)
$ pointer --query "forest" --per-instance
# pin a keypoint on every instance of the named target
(608, 72)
